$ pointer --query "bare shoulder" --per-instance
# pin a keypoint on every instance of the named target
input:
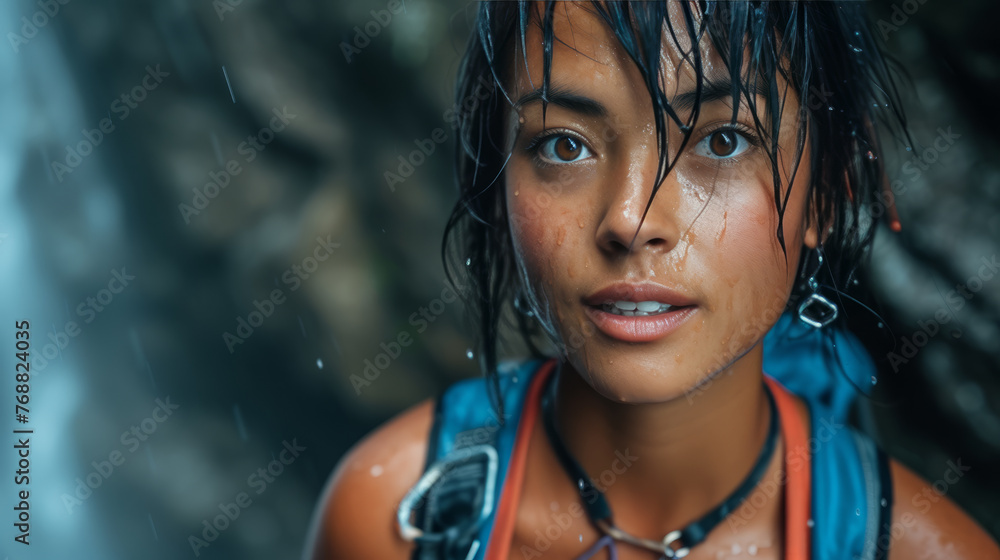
(927, 524)
(357, 512)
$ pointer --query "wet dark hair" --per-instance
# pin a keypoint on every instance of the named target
(823, 48)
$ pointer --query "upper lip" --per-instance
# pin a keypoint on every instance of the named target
(624, 291)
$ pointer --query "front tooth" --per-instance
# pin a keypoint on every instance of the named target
(649, 306)
(625, 305)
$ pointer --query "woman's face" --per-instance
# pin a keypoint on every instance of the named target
(577, 188)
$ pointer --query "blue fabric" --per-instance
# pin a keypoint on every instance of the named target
(826, 368)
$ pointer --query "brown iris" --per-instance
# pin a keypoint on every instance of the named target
(723, 142)
(566, 148)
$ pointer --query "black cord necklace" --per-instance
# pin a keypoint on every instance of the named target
(677, 543)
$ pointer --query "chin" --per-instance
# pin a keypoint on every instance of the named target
(627, 379)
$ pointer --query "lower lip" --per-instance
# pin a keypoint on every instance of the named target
(639, 329)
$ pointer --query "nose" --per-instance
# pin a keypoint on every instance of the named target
(623, 209)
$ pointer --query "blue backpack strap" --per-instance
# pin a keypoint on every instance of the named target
(851, 483)
(464, 422)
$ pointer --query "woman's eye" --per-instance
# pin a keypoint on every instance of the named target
(724, 143)
(562, 149)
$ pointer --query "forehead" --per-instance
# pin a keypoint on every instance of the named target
(586, 54)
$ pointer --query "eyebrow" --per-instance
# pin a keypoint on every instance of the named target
(715, 89)
(567, 99)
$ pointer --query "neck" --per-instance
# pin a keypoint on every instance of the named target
(664, 465)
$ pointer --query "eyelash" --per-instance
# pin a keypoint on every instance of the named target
(744, 131)
(535, 144)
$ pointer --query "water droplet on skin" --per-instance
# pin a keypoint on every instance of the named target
(580, 483)
(736, 548)
(517, 192)
(752, 550)
(581, 538)
(319, 363)
(722, 232)
(376, 470)
(468, 353)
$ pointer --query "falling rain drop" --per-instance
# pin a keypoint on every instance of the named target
(880, 325)
(810, 523)
(230, 86)
(856, 49)
(884, 502)
(468, 353)
(468, 262)
(874, 380)
(857, 512)
(319, 363)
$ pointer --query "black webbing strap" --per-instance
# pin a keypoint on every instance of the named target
(450, 509)
(884, 538)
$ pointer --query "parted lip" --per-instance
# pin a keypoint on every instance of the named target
(647, 291)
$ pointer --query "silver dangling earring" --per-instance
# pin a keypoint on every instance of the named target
(817, 311)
